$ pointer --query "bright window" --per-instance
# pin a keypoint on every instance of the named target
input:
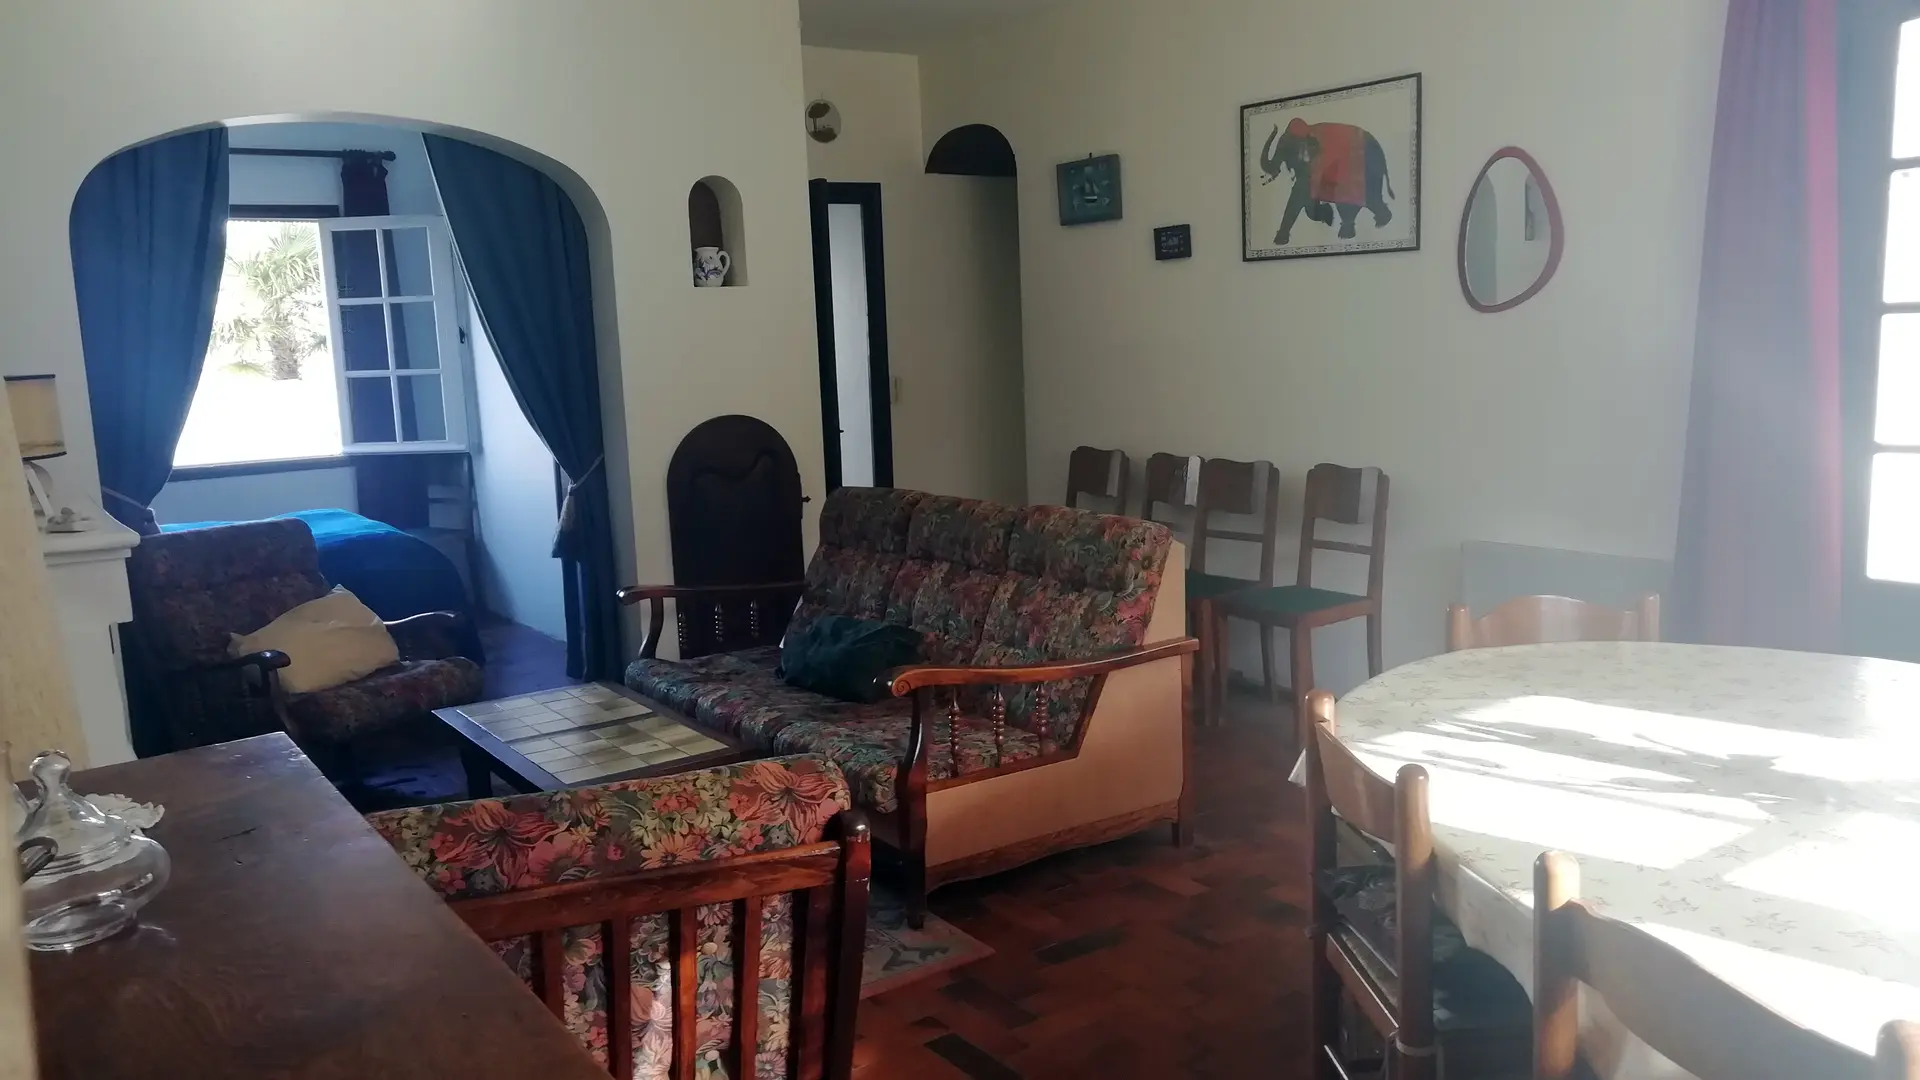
(1893, 509)
(331, 336)
(267, 391)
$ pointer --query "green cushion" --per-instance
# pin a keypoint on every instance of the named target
(844, 658)
(1284, 600)
(1207, 586)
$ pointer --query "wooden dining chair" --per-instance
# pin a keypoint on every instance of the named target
(1338, 495)
(1376, 934)
(1102, 474)
(1220, 487)
(1669, 1002)
(1540, 620)
(1898, 1056)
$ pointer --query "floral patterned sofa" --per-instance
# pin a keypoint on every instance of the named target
(679, 862)
(1051, 711)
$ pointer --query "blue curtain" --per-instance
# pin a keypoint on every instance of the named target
(148, 235)
(525, 252)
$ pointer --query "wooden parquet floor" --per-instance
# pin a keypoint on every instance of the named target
(1134, 959)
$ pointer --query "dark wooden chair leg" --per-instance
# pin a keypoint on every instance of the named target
(1222, 664)
(1300, 645)
(1266, 663)
(1200, 619)
(1373, 643)
(1323, 1009)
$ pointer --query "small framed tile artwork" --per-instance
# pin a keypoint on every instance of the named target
(1089, 189)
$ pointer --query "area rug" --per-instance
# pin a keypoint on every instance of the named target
(897, 955)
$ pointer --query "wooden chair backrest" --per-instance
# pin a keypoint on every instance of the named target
(1100, 473)
(1243, 489)
(1336, 493)
(1539, 620)
(828, 882)
(1659, 993)
(1337, 782)
(1166, 485)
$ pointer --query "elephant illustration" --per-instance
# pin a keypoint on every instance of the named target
(1336, 167)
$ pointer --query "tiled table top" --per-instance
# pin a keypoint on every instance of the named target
(583, 733)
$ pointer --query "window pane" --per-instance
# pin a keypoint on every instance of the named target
(409, 272)
(266, 390)
(416, 344)
(363, 337)
(370, 402)
(1903, 238)
(423, 416)
(1893, 519)
(1897, 400)
(1906, 94)
(356, 263)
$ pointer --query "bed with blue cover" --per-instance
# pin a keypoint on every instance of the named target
(393, 572)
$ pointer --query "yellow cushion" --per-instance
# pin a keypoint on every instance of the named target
(335, 639)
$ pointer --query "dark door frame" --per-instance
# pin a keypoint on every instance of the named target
(825, 193)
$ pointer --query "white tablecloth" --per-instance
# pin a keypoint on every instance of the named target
(1758, 809)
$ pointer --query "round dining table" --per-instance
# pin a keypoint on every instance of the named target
(1758, 809)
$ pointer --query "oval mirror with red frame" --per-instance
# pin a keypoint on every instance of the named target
(1511, 235)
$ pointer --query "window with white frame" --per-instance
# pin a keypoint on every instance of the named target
(331, 336)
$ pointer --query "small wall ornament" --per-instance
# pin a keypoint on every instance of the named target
(1089, 189)
(823, 121)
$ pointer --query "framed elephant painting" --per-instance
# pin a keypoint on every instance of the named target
(1332, 173)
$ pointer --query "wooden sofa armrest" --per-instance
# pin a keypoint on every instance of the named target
(905, 680)
(431, 635)
(919, 680)
(656, 596)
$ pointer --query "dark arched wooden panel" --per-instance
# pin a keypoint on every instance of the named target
(733, 511)
(973, 150)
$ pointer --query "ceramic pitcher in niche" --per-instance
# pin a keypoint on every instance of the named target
(710, 266)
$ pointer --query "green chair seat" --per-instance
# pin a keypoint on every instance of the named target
(1289, 601)
(1208, 586)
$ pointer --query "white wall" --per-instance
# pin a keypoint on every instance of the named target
(1560, 423)
(628, 103)
(514, 489)
(953, 317)
(258, 180)
(256, 495)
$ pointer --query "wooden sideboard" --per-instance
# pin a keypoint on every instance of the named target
(291, 942)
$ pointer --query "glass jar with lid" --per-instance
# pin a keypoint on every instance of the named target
(102, 873)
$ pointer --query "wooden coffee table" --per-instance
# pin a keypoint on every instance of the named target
(590, 734)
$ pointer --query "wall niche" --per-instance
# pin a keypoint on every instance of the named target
(715, 219)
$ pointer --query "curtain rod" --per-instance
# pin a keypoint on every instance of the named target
(264, 151)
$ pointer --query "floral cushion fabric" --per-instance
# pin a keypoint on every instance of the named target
(738, 693)
(493, 846)
(870, 751)
(863, 536)
(384, 697)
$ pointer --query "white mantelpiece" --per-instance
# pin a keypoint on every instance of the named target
(89, 573)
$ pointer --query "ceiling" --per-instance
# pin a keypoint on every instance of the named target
(901, 25)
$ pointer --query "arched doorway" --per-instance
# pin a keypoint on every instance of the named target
(973, 150)
(349, 357)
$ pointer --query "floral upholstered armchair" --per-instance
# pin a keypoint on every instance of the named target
(194, 589)
(736, 896)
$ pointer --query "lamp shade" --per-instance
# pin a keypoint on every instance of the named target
(36, 416)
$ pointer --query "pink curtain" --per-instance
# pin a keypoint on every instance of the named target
(1759, 552)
